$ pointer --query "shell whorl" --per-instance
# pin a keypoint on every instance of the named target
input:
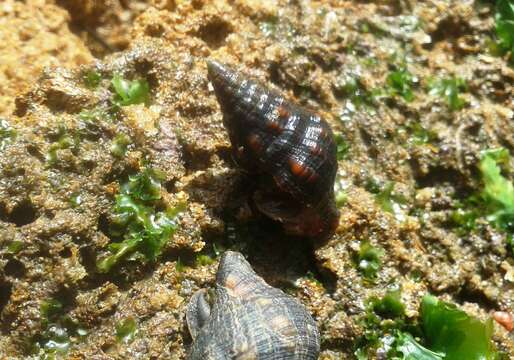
(251, 320)
(293, 146)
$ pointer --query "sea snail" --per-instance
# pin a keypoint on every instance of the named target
(289, 149)
(244, 318)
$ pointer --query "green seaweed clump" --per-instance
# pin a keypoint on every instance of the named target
(465, 216)
(15, 246)
(119, 145)
(204, 260)
(407, 348)
(209, 255)
(442, 332)
(92, 78)
(454, 333)
(144, 229)
(6, 133)
(95, 115)
(400, 83)
(498, 192)
(494, 202)
(130, 92)
(390, 306)
(342, 147)
(341, 198)
(59, 331)
(369, 260)
(126, 330)
(65, 140)
(352, 88)
(388, 200)
(449, 88)
(505, 27)
(388, 332)
(417, 134)
(340, 192)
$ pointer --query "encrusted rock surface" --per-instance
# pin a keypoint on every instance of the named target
(33, 34)
(307, 50)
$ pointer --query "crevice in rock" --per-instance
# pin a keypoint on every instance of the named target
(23, 214)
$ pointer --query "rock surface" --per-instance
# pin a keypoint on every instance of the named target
(34, 34)
(59, 175)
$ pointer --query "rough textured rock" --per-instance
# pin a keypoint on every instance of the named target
(330, 56)
(104, 25)
(34, 34)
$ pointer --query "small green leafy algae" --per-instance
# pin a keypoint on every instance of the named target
(209, 254)
(453, 332)
(372, 185)
(59, 331)
(76, 200)
(498, 192)
(351, 87)
(7, 133)
(126, 330)
(92, 78)
(49, 309)
(417, 134)
(374, 28)
(277, 28)
(65, 140)
(493, 203)
(179, 266)
(382, 320)
(400, 83)
(312, 277)
(442, 332)
(369, 260)
(95, 115)
(218, 249)
(144, 229)
(410, 349)
(15, 246)
(119, 145)
(204, 260)
(505, 27)
(342, 147)
(130, 92)
(464, 218)
(341, 198)
(387, 199)
(449, 89)
(390, 306)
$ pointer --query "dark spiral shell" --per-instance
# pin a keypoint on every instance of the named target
(248, 319)
(291, 150)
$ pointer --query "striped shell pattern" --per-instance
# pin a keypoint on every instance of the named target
(289, 149)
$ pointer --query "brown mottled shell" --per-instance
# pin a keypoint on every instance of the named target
(291, 149)
(248, 319)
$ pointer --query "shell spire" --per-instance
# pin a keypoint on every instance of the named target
(290, 150)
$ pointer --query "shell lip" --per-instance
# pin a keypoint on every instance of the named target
(197, 312)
